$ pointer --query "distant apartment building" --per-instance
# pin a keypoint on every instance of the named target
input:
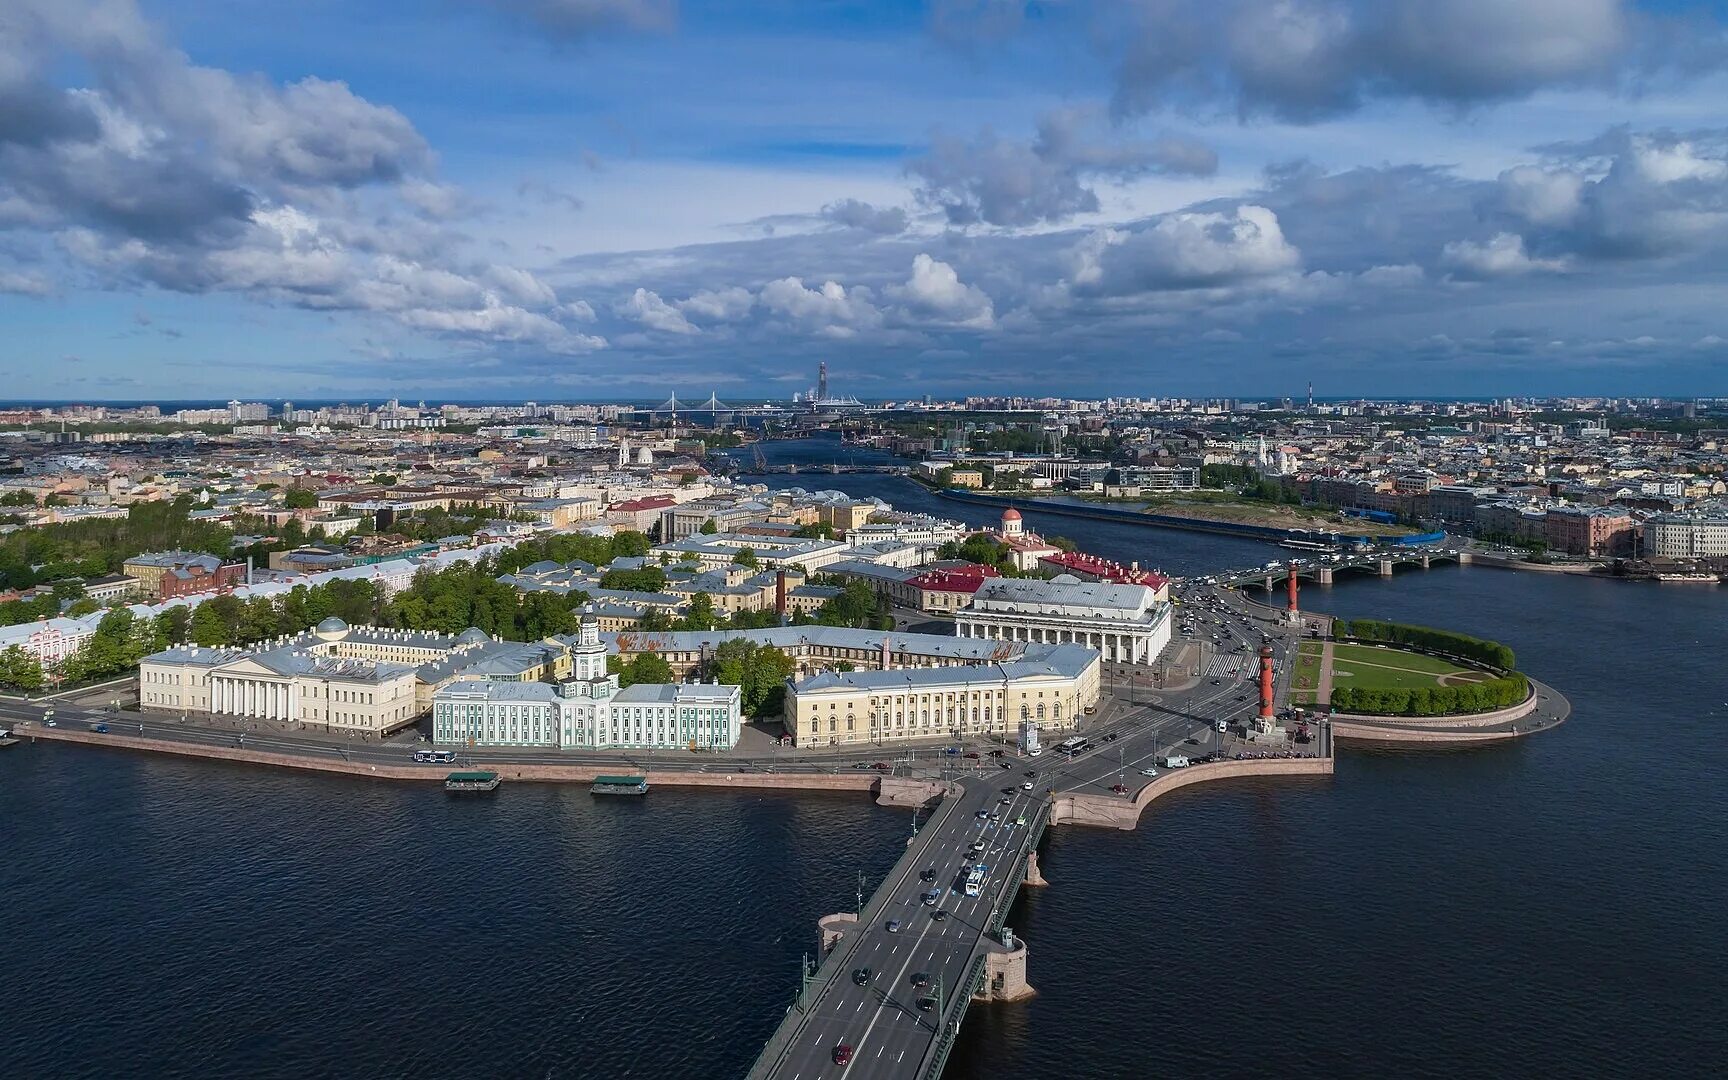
(1692, 534)
(1588, 530)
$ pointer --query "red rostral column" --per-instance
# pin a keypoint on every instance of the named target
(1291, 606)
(1265, 682)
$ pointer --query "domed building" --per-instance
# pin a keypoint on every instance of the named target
(331, 629)
(1012, 525)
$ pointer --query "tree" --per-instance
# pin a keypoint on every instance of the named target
(20, 670)
(759, 672)
(700, 614)
(18, 497)
(746, 557)
(648, 579)
(709, 528)
(384, 479)
(818, 531)
(300, 499)
(644, 667)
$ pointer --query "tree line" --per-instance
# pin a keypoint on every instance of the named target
(1450, 642)
(1449, 700)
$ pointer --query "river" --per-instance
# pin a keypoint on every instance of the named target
(1553, 907)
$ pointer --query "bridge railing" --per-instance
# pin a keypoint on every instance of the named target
(951, 1017)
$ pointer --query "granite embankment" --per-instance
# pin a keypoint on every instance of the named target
(1124, 813)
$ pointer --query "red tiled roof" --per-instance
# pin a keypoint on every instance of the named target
(1105, 570)
(956, 579)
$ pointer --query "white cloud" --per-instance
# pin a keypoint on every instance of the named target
(647, 308)
(935, 292)
(719, 305)
(1187, 250)
(1503, 255)
(831, 311)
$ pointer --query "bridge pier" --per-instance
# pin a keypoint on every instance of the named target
(1385, 567)
(1005, 973)
(1463, 558)
(1425, 562)
(1033, 877)
(1325, 575)
(1268, 582)
(829, 928)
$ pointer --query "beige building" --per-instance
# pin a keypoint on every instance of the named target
(1048, 686)
(339, 678)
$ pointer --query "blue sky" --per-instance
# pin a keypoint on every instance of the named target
(614, 198)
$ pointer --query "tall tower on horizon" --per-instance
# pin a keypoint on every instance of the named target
(1310, 395)
(822, 381)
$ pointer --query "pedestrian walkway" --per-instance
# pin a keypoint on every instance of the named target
(1323, 686)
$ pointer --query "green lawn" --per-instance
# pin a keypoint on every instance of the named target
(1369, 667)
(1307, 675)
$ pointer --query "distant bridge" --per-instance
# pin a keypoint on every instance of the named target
(1378, 563)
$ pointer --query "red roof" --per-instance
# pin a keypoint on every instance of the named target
(1010, 514)
(956, 579)
(652, 502)
(1105, 570)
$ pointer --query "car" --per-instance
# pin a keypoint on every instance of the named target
(1008, 790)
(1191, 741)
(1005, 764)
(996, 753)
(1148, 772)
(1110, 737)
(99, 728)
(1003, 801)
(893, 926)
(938, 915)
(861, 765)
(880, 766)
(928, 875)
(842, 1054)
(1120, 789)
(861, 976)
(51, 722)
(1215, 682)
(1031, 772)
(926, 1002)
(920, 979)
(1020, 821)
(1025, 785)
(982, 814)
(971, 755)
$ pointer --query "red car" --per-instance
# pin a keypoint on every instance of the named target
(881, 766)
(1119, 789)
(842, 1054)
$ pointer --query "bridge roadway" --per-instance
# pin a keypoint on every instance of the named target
(1452, 550)
(880, 1020)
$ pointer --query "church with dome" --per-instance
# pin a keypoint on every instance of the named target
(339, 678)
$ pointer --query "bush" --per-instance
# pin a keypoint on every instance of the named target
(1433, 700)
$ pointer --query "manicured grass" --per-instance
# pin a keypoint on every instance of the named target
(1367, 667)
(1307, 674)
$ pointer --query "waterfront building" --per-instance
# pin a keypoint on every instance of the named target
(817, 648)
(1127, 623)
(357, 679)
(714, 550)
(48, 640)
(1588, 530)
(1694, 534)
(588, 710)
(1047, 686)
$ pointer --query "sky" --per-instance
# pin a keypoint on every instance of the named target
(609, 199)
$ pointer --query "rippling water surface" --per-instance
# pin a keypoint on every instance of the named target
(1556, 907)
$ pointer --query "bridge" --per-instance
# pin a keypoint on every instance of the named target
(893, 980)
(835, 469)
(1381, 563)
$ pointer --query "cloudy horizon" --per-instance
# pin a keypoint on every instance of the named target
(611, 199)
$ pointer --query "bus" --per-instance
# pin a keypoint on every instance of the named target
(975, 879)
(1073, 745)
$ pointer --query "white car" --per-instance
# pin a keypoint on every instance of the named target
(1026, 786)
(1148, 772)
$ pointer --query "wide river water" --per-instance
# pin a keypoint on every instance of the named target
(1556, 907)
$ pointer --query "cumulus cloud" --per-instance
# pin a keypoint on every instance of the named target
(854, 214)
(571, 20)
(719, 305)
(1303, 60)
(1186, 251)
(935, 292)
(163, 173)
(1502, 255)
(830, 311)
(650, 310)
(992, 180)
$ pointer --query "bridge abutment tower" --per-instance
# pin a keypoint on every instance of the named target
(1385, 567)
(829, 929)
(1005, 972)
(1324, 575)
(1033, 877)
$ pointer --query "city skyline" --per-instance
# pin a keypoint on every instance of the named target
(609, 199)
